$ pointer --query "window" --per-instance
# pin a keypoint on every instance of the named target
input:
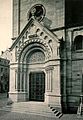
(78, 42)
(5, 70)
(1, 78)
(1, 69)
(38, 11)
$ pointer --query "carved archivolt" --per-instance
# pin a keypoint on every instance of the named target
(34, 43)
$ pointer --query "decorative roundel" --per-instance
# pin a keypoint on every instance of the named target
(38, 11)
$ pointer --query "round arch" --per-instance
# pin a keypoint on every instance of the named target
(33, 46)
(36, 56)
(36, 69)
(78, 42)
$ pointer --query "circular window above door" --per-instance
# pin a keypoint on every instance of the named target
(38, 11)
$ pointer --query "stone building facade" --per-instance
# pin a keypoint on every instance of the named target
(4, 75)
(47, 52)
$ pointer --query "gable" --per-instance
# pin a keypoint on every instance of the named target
(34, 33)
(34, 29)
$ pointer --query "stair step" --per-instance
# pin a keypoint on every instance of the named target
(33, 108)
(57, 114)
(43, 113)
(55, 111)
(60, 115)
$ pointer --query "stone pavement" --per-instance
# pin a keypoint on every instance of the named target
(5, 115)
(3, 100)
(20, 116)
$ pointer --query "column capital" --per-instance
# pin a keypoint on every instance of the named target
(50, 67)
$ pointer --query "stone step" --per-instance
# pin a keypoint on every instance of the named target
(37, 107)
(56, 112)
(33, 108)
(28, 111)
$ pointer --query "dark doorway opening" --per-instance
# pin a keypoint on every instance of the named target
(36, 86)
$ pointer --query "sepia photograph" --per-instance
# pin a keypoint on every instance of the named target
(41, 59)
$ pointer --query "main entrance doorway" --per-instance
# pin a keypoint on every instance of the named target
(36, 86)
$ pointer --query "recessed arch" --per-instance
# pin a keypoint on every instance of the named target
(78, 42)
(34, 68)
(36, 56)
(31, 51)
(34, 45)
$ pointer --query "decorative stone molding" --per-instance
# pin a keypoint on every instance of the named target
(34, 32)
(34, 27)
(33, 40)
(51, 67)
(32, 36)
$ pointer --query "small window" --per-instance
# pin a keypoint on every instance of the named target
(6, 70)
(1, 78)
(1, 69)
(78, 42)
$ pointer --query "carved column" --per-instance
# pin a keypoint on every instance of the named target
(20, 80)
(24, 80)
(49, 73)
(16, 80)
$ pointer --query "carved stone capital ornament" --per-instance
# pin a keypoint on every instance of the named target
(48, 68)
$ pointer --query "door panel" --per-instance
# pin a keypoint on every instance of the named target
(36, 86)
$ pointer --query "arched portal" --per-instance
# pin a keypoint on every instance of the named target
(31, 79)
(35, 75)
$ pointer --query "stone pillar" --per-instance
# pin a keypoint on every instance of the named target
(49, 73)
(24, 77)
(48, 85)
(52, 92)
(13, 92)
(16, 81)
(20, 81)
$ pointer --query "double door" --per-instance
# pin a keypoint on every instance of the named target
(36, 86)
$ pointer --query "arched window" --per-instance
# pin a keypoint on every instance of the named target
(78, 42)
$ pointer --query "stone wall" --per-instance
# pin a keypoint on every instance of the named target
(54, 13)
(71, 63)
(71, 72)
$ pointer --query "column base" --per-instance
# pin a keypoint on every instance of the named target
(53, 100)
(18, 96)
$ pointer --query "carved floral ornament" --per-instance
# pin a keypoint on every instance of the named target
(48, 68)
(36, 56)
